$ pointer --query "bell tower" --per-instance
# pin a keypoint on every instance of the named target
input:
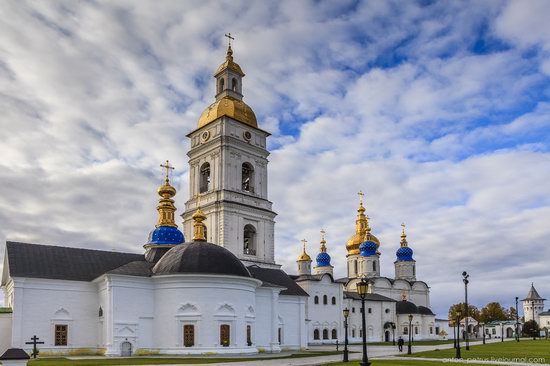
(228, 169)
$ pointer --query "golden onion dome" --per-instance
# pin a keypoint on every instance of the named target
(304, 257)
(166, 190)
(230, 107)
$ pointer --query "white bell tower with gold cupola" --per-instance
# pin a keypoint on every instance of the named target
(228, 169)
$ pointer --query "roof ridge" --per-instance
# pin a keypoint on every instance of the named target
(67, 247)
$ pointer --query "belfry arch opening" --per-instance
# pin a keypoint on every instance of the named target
(221, 85)
(204, 183)
(249, 240)
(247, 178)
(235, 85)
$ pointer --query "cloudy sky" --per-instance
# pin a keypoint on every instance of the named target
(438, 111)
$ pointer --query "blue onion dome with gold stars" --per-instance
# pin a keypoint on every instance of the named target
(166, 231)
(367, 248)
(404, 253)
(323, 258)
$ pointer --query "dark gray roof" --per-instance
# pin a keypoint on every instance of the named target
(533, 294)
(406, 307)
(279, 278)
(368, 297)
(345, 280)
(137, 268)
(425, 310)
(63, 263)
(200, 257)
(15, 354)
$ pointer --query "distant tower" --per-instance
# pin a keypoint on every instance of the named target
(323, 258)
(361, 230)
(166, 234)
(304, 261)
(535, 302)
(405, 265)
(228, 169)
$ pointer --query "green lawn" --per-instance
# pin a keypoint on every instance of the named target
(418, 343)
(505, 351)
(405, 363)
(107, 361)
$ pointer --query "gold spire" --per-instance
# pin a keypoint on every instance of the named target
(166, 206)
(304, 256)
(199, 228)
(323, 242)
(229, 63)
(403, 235)
(362, 230)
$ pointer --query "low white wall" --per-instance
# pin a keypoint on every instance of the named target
(5, 332)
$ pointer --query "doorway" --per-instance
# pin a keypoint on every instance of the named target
(126, 349)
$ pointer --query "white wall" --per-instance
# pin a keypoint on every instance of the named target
(5, 332)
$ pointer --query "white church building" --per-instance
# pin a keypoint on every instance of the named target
(220, 290)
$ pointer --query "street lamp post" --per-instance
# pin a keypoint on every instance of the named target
(534, 322)
(483, 330)
(362, 288)
(346, 314)
(409, 347)
(458, 315)
(454, 333)
(517, 320)
(465, 276)
(502, 332)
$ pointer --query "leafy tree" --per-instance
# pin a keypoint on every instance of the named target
(455, 308)
(529, 328)
(512, 313)
(493, 311)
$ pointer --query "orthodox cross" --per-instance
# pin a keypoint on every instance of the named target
(34, 342)
(361, 194)
(323, 234)
(229, 38)
(304, 242)
(167, 167)
(199, 201)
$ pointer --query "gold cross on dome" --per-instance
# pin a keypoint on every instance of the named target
(304, 242)
(361, 194)
(167, 167)
(229, 38)
(323, 234)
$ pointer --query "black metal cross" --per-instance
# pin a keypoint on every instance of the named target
(230, 38)
(34, 342)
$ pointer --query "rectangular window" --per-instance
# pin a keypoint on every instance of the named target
(249, 335)
(224, 335)
(61, 335)
(188, 335)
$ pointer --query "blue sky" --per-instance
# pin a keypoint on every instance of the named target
(438, 111)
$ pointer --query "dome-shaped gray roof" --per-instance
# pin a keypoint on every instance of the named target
(200, 257)
(406, 307)
(425, 311)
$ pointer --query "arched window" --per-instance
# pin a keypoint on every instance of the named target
(334, 334)
(414, 270)
(188, 335)
(353, 332)
(221, 86)
(280, 335)
(325, 300)
(370, 310)
(355, 266)
(316, 300)
(249, 240)
(415, 330)
(333, 300)
(316, 334)
(234, 85)
(431, 330)
(224, 335)
(374, 266)
(247, 178)
(406, 330)
(325, 334)
(204, 185)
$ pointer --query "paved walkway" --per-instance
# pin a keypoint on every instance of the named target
(375, 352)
